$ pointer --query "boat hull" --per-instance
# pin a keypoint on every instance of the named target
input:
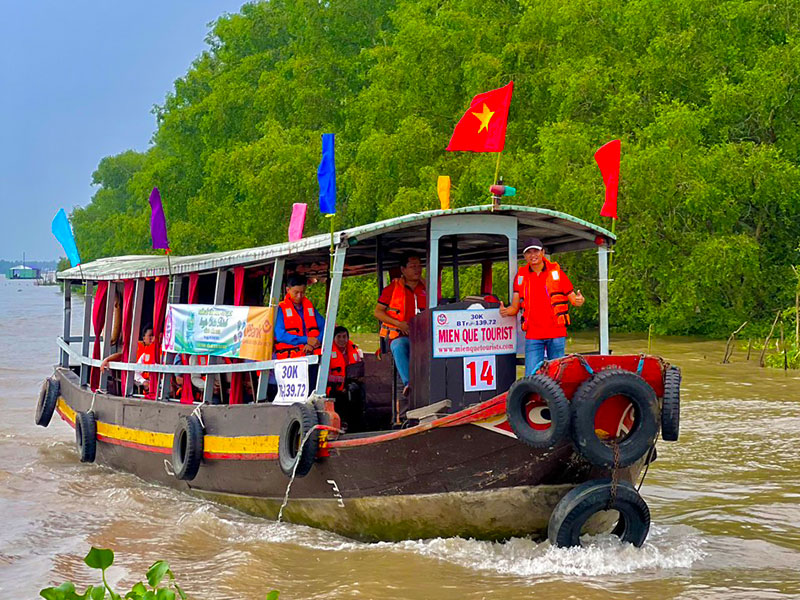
(464, 475)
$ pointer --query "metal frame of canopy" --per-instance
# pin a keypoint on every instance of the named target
(370, 248)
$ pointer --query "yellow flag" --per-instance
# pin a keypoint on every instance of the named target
(443, 187)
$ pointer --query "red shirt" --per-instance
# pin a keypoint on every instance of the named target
(537, 311)
(416, 299)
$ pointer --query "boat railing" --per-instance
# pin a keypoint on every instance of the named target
(85, 362)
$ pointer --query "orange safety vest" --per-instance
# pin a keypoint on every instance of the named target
(149, 353)
(396, 308)
(293, 323)
(559, 297)
(339, 362)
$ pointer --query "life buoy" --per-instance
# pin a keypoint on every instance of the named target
(591, 394)
(537, 411)
(301, 419)
(86, 435)
(671, 405)
(187, 448)
(48, 397)
(587, 499)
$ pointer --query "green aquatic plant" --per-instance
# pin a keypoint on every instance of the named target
(100, 558)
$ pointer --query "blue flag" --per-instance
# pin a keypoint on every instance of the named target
(326, 174)
(63, 233)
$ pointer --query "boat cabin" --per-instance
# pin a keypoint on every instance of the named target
(461, 351)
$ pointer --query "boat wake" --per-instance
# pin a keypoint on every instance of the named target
(667, 547)
(673, 547)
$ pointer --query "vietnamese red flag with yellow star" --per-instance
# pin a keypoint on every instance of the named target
(483, 126)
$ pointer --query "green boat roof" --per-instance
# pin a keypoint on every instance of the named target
(558, 231)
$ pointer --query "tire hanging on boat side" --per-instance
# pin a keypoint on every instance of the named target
(187, 448)
(588, 398)
(86, 436)
(592, 497)
(301, 419)
(552, 405)
(671, 405)
(48, 397)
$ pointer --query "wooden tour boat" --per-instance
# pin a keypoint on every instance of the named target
(473, 451)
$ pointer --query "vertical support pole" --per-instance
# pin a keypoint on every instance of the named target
(111, 295)
(219, 298)
(274, 298)
(176, 289)
(330, 318)
(64, 360)
(433, 270)
(512, 265)
(87, 331)
(602, 264)
(456, 283)
(136, 323)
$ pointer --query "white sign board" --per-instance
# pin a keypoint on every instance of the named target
(473, 332)
(292, 378)
(480, 373)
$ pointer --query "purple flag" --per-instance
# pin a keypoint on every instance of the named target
(158, 225)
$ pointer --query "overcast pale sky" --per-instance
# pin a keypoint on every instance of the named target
(78, 80)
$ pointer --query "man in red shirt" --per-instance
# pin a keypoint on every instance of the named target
(543, 292)
(399, 302)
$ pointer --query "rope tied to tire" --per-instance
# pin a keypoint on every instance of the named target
(297, 462)
(614, 476)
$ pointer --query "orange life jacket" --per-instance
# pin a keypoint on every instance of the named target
(293, 323)
(149, 353)
(559, 296)
(396, 308)
(339, 362)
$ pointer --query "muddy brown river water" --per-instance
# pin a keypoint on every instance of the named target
(725, 504)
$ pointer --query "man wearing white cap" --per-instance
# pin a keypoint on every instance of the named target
(543, 292)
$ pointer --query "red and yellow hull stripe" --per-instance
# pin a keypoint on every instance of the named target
(215, 447)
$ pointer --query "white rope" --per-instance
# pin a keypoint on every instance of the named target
(91, 406)
(197, 413)
(168, 468)
(297, 462)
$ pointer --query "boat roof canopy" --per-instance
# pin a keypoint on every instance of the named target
(558, 231)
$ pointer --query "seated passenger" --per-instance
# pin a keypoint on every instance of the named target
(343, 353)
(348, 394)
(298, 325)
(146, 355)
(399, 302)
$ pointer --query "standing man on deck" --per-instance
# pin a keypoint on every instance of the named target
(543, 292)
(399, 302)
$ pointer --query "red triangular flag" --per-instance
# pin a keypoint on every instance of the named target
(608, 158)
(483, 126)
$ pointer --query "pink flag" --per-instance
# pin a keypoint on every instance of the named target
(608, 159)
(297, 222)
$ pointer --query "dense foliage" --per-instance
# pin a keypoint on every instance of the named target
(702, 95)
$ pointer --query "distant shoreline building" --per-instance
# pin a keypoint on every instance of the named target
(22, 272)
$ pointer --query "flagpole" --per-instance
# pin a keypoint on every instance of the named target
(611, 254)
(331, 217)
(495, 180)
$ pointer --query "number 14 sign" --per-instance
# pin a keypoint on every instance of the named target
(479, 373)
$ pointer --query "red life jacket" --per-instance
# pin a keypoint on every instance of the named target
(149, 353)
(294, 325)
(556, 291)
(339, 362)
(397, 308)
